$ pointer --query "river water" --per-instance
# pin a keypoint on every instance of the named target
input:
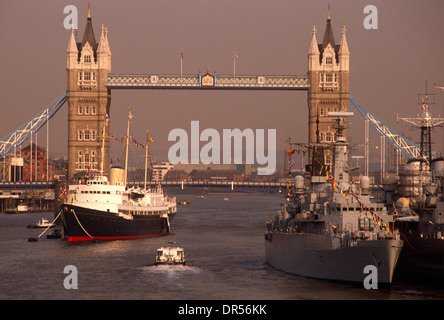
(224, 247)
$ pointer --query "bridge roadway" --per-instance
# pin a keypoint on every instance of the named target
(213, 183)
(27, 185)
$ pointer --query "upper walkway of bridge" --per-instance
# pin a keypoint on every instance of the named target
(207, 81)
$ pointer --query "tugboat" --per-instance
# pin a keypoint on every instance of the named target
(171, 255)
(332, 229)
(42, 223)
(98, 209)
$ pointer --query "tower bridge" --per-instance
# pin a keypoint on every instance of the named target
(90, 82)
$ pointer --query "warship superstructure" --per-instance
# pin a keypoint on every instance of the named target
(332, 229)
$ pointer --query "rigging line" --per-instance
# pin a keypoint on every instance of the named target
(81, 224)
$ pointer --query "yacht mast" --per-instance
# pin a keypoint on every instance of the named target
(103, 147)
(127, 143)
(148, 140)
(146, 156)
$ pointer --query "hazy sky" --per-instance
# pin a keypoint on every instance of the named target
(389, 66)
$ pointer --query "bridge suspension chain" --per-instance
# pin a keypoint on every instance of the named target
(407, 147)
(19, 136)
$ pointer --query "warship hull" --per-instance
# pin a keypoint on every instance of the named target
(422, 259)
(327, 257)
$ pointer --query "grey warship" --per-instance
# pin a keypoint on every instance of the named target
(332, 229)
(422, 258)
(421, 187)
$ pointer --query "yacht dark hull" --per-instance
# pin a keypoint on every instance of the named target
(83, 224)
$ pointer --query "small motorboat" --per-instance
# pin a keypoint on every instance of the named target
(42, 223)
(56, 234)
(171, 255)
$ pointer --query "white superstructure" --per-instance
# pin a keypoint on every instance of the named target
(98, 194)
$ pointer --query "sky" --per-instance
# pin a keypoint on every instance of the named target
(389, 66)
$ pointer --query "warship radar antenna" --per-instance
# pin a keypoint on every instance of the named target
(425, 123)
(341, 125)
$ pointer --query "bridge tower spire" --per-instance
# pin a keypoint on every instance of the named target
(88, 66)
(328, 75)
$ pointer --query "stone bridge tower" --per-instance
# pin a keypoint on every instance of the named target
(328, 75)
(88, 65)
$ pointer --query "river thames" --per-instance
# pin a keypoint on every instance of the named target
(223, 239)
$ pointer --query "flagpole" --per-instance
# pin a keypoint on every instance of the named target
(146, 157)
(47, 145)
(234, 65)
(181, 64)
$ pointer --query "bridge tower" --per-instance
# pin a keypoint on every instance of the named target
(328, 75)
(88, 65)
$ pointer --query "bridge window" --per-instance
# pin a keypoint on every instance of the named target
(328, 159)
(93, 135)
(87, 59)
(329, 60)
(81, 135)
(328, 137)
(93, 110)
(87, 76)
(328, 80)
(79, 159)
(93, 157)
(86, 161)
(86, 135)
(80, 110)
(329, 77)
(86, 110)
